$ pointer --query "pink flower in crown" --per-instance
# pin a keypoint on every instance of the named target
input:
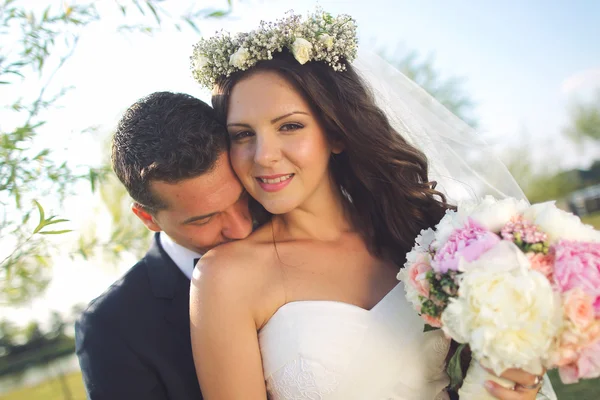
(543, 263)
(578, 265)
(417, 272)
(466, 243)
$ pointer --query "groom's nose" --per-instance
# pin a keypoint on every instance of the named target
(237, 224)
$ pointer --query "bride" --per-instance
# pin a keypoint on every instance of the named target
(309, 307)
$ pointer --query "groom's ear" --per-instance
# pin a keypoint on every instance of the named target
(145, 216)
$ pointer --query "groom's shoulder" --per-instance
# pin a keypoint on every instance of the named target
(125, 297)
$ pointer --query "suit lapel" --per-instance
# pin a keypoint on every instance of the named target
(178, 312)
(169, 283)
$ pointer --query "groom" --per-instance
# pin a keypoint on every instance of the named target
(133, 342)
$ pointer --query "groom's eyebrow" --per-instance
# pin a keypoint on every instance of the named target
(274, 120)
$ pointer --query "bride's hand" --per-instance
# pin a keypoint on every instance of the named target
(526, 385)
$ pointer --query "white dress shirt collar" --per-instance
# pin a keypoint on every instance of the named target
(182, 257)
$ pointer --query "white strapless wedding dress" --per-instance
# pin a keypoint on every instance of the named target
(327, 350)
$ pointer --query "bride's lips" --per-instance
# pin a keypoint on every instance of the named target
(274, 183)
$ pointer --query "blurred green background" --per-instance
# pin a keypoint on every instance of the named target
(68, 69)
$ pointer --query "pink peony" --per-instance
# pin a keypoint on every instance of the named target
(568, 374)
(543, 263)
(417, 272)
(466, 243)
(578, 265)
(587, 366)
(589, 361)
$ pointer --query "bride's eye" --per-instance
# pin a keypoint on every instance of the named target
(291, 126)
(240, 135)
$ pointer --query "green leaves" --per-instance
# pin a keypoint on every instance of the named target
(45, 222)
(36, 43)
(454, 368)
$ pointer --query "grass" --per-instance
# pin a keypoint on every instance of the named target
(592, 219)
(50, 390)
(584, 390)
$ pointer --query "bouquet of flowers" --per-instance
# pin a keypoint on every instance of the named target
(518, 284)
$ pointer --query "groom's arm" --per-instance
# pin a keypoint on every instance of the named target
(111, 370)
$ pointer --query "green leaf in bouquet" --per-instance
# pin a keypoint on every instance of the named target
(428, 328)
(454, 369)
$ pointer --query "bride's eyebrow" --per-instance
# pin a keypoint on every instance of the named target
(273, 121)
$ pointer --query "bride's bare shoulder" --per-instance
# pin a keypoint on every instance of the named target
(239, 271)
(253, 251)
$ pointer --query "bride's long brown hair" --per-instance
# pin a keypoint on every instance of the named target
(385, 178)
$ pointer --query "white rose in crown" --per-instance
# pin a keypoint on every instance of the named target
(302, 50)
(326, 40)
(558, 224)
(200, 62)
(238, 58)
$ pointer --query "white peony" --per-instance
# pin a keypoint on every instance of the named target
(327, 41)
(445, 227)
(494, 214)
(508, 317)
(559, 224)
(490, 213)
(302, 49)
(238, 58)
(422, 243)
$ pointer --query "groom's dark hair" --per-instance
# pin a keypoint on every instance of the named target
(165, 137)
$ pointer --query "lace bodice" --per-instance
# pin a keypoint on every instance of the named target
(326, 350)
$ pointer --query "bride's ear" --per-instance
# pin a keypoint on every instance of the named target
(337, 147)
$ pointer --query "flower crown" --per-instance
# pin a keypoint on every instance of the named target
(320, 37)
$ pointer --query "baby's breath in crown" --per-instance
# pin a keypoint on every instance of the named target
(321, 37)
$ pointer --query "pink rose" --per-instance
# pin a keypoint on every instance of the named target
(578, 265)
(579, 308)
(434, 322)
(466, 243)
(543, 263)
(417, 274)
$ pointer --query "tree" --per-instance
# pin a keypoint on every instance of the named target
(36, 43)
(585, 121)
(448, 91)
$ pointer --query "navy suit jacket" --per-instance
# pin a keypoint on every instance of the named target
(133, 342)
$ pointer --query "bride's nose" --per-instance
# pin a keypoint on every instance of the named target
(267, 151)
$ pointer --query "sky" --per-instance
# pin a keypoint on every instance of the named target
(523, 63)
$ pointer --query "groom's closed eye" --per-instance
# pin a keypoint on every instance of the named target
(201, 220)
(206, 218)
